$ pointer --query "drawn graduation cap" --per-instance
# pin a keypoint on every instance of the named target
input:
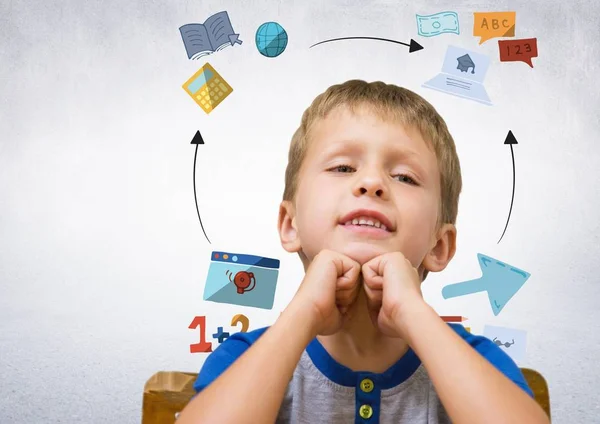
(464, 63)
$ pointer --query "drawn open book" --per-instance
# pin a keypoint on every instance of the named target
(213, 35)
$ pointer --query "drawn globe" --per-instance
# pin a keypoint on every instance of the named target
(271, 39)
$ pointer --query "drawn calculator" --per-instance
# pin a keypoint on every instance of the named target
(207, 88)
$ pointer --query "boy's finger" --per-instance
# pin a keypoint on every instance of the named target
(374, 283)
(349, 279)
(368, 271)
(371, 278)
(346, 295)
(349, 267)
(372, 288)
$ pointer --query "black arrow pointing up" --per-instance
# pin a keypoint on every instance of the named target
(412, 47)
(510, 140)
(197, 140)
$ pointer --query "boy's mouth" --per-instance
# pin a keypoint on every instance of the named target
(367, 219)
(367, 222)
(370, 231)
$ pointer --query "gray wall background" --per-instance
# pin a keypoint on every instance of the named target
(102, 259)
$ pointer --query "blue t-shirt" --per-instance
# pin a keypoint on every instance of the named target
(324, 391)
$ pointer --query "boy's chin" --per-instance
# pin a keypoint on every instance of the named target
(362, 253)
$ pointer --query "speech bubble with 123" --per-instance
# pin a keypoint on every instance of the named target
(521, 50)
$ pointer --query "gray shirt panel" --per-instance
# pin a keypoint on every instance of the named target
(312, 398)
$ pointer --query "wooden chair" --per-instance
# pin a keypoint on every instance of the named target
(539, 387)
(167, 392)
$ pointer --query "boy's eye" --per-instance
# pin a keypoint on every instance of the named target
(406, 179)
(342, 168)
(401, 177)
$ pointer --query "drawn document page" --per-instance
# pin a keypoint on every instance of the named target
(196, 40)
(219, 29)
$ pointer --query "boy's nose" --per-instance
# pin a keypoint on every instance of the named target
(378, 193)
(371, 186)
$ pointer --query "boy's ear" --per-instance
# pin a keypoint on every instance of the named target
(286, 225)
(443, 251)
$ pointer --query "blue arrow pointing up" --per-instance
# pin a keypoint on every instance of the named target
(500, 280)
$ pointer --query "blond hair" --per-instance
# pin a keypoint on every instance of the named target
(386, 101)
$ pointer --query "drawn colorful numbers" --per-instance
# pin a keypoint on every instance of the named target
(204, 346)
(518, 50)
(243, 319)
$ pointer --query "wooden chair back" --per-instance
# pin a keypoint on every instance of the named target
(167, 392)
(539, 386)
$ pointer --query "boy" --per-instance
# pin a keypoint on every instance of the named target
(370, 203)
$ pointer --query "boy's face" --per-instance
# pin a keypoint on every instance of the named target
(361, 162)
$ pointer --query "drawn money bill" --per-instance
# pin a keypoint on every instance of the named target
(438, 23)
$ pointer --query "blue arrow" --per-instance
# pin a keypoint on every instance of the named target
(500, 280)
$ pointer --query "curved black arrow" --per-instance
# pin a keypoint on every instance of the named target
(412, 47)
(510, 140)
(197, 140)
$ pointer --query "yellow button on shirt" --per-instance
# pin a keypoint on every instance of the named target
(365, 411)
(367, 385)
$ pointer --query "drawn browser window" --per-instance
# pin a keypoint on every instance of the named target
(241, 279)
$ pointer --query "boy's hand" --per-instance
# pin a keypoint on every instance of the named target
(328, 289)
(393, 287)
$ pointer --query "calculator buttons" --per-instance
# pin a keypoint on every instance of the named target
(207, 88)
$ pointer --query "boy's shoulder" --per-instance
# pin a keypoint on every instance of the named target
(496, 356)
(245, 338)
(236, 344)
(225, 354)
